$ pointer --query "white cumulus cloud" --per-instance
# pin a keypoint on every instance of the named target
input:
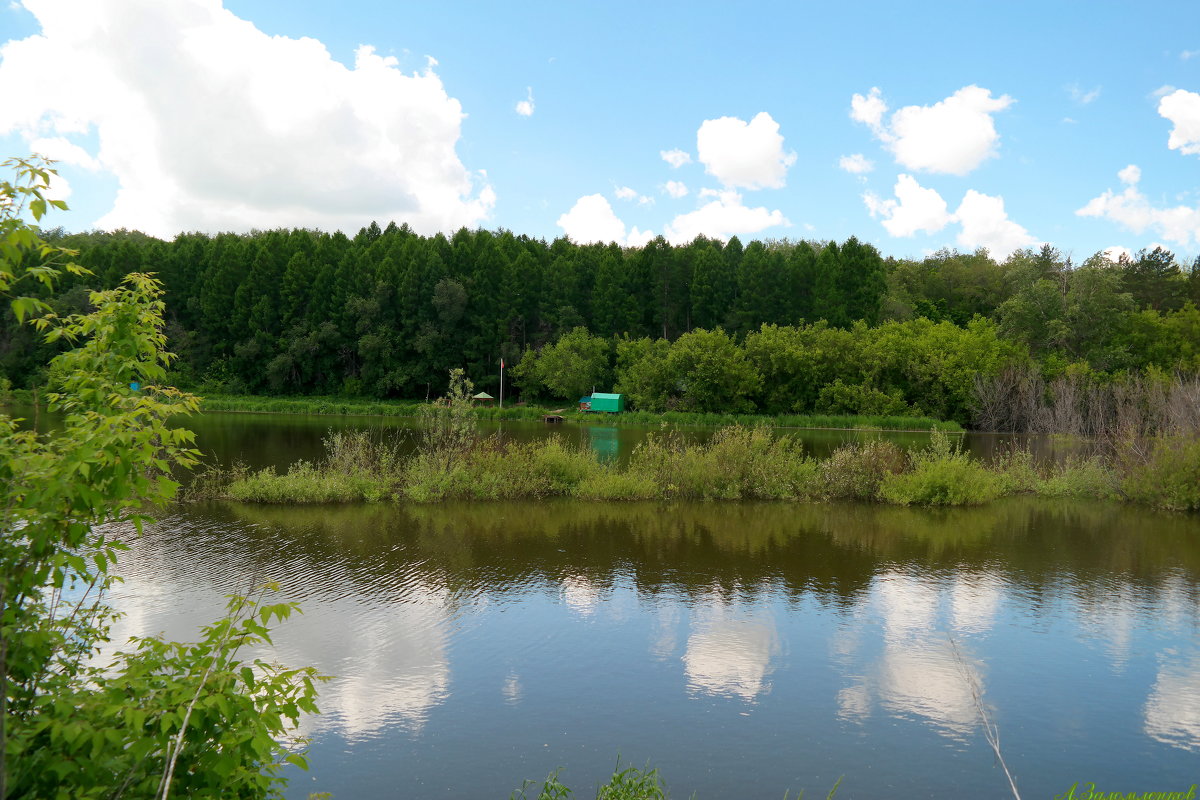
(747, 155)
(856, 164)
(1183, 109)
(917, 209)
(592, 219)
(676, 189)
(60, 149)
(626, 193)
(869, 110)
(722, 217)
(986, 224)
(676, 158)
(952, 136)
(1133, 211)
(525, 107)
(1131, 174)
(914, 209)
(209, 124)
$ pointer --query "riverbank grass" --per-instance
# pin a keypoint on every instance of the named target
(737, 463)
(402, 408)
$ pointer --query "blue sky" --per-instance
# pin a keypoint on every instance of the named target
(982, 124)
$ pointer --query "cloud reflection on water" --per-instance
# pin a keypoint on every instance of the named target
(1172, 711)
(917, 671)
(730, 648)
(390, 660)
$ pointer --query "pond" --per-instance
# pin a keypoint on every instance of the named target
(263, 440)
(745, 649)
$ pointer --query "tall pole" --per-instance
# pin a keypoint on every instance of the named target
(501, 382)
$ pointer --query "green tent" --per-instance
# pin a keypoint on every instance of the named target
(614, 403)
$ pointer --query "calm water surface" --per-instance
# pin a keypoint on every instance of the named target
(745, 649)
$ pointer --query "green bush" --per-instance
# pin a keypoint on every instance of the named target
(1170, 478)
(1017, 473)
(196, 720)
(560, 468)
(942, 475)
(854, 471)
(838, 398)
(737, 463)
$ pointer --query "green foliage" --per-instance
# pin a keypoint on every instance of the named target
(357, 466)
(712, 372)
(188, 718)
(855, 471)
(642, 373)
(630, 783)
(735, 464)
(449, 426)
(1087, 478)
(193, 718)
(1170, 477)
(304, 483)
(611, 484)
(386, 314)
(838, 398)
(570, 367)
(942, 475)
(1017, 472)
(394, 408)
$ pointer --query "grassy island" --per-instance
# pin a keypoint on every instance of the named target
(737, 463)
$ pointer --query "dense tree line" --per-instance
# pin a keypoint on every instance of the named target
(772, 326)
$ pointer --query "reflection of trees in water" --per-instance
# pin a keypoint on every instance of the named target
(830, 551)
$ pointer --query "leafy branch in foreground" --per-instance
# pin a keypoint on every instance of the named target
(191, 719)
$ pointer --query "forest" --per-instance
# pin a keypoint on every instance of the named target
(776, 326)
